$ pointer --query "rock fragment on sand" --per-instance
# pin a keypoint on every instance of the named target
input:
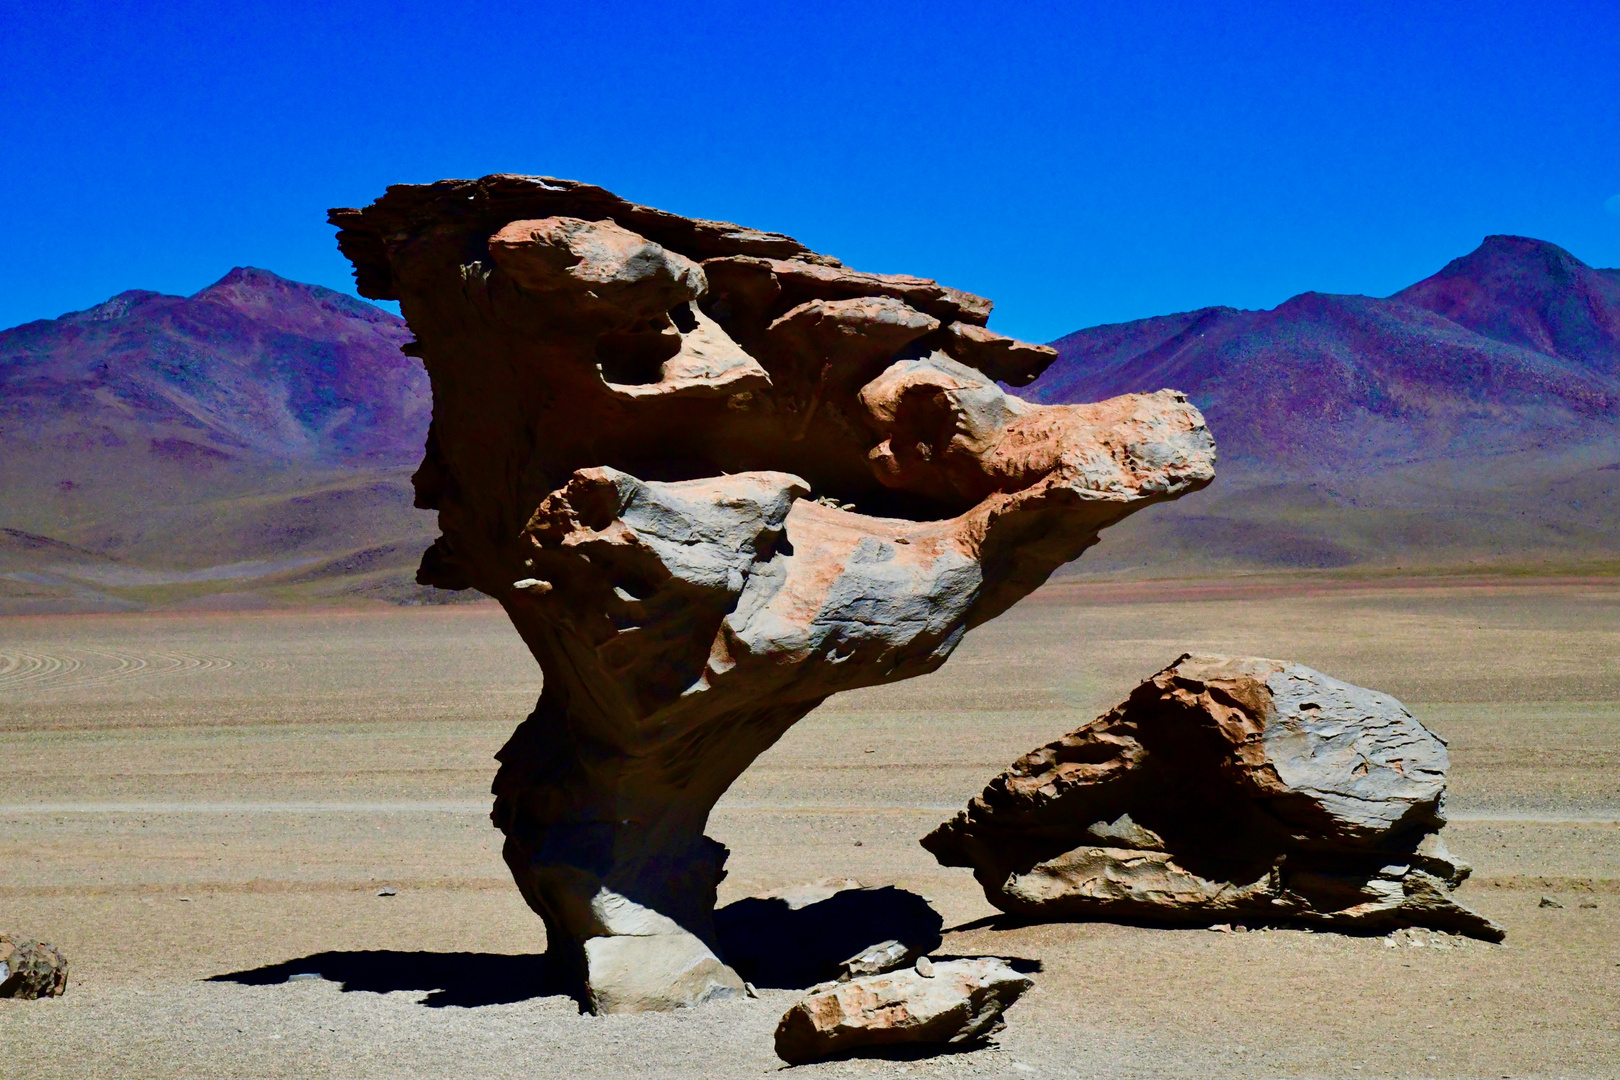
(31, 969)
(1547, 901)
(884, 956)
(1225, 789)
(960, 1003)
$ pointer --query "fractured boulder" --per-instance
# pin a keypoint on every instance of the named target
(949, 1002)
(714, 477)
(1224, 790)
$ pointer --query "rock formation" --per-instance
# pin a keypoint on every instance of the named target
(31, 969)
(1225, 790)
(949, 1002)
(714, 477)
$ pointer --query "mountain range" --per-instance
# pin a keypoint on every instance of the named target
(1470, 418)
(255, 439)
(252, 443)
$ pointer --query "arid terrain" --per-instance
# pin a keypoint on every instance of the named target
(192, 796)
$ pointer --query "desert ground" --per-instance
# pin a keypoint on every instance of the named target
(193, 797)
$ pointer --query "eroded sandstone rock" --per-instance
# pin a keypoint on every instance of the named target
(714, 477)
(944, 1002)
(1225, 790)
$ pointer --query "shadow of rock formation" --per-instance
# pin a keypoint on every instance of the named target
(452, 979)
(781, 943)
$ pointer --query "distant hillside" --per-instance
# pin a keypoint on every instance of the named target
(253, 443)
(1468, 418)
(257, 434)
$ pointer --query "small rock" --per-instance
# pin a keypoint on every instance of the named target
(387, 890)
(185, 899)
(876, 959)
(1547, 901)
(1222, 928)
(961, 1003)
(31, 969)
(304, 976)
(925, 967)
(1588, 903)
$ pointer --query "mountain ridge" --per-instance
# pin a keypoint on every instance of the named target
(260, 424)
(1492, 385)
(254, 440)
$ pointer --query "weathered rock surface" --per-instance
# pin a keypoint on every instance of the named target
(948, 1002)
(31, 969)
(1225, 790)
(714, 477)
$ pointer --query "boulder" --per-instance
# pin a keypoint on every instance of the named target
(31, 969)
(945, 1002)
(1225, 790)
(714, 477)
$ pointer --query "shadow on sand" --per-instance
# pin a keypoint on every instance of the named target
(458, 979)
(772, 944)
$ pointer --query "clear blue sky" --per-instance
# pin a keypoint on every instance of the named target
(1078, 163)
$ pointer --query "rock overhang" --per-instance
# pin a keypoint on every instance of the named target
(714, 477)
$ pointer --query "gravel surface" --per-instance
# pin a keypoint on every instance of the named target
(199, 805)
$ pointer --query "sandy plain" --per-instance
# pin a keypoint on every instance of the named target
(191, 796)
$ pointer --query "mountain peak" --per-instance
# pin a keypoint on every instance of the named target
(115, 307)
(1530, 293)
(274, 300)
(252, 276)
(254, 363)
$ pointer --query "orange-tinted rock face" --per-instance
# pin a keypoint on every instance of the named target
(714, 477)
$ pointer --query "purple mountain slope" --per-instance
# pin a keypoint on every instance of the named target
(1471, 417)
(1532, 294)
(1516, 345)
(254, 366)
(259, 435)
(257, 431)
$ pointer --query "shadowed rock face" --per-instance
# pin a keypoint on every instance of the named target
(1222, 790)
(714, 477)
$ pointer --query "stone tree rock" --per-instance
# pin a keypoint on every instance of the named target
(714, 477)
(1225, 790)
